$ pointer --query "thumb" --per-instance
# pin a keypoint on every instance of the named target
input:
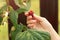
(38, 18)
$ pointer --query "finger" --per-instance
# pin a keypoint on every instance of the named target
(26, 14)
(32, 22)
(30, 25)
(35, 16)
(38, 18)
(29, 17)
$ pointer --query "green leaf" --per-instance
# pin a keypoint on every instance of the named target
(23, 3)
(4, 8)
(32, 34)
(19, 28)
(13, 17)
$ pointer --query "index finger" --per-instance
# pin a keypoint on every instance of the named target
(26, 14)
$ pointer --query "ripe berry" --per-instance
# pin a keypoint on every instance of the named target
(31, 13)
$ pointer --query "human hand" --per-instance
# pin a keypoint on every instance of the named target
(41, 23)
(37, 22)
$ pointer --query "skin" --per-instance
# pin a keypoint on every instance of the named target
(41, 23)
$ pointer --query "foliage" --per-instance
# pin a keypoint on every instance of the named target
(23, 3)
(33, 35)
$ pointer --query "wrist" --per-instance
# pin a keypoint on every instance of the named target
(54, 34)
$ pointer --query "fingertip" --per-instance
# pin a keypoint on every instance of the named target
(26, 14)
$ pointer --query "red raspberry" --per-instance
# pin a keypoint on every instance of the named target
(31, 13)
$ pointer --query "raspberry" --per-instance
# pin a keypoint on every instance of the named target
(31, 13)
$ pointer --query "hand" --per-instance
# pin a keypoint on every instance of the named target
(37, 22)
(41, 23)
